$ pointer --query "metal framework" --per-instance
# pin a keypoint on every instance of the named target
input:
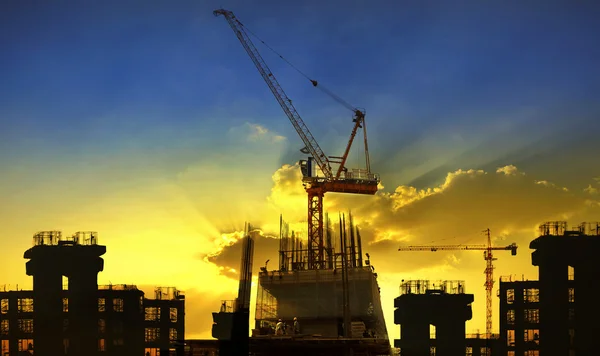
(489, 269)
(356, 182)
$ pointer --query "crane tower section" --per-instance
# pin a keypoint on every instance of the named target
(340, 180)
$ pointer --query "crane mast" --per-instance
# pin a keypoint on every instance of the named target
(489, 270)
(355, 182)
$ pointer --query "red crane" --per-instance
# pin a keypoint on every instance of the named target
(356, 181)
(489, 269)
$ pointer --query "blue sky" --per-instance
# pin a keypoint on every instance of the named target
(109, 108)
(84, 77)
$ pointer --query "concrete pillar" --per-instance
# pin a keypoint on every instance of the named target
(554, 306)
(47, 302)
(83, 303)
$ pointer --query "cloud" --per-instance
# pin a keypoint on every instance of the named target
(508, 202)
(509, 170)
(253, 132)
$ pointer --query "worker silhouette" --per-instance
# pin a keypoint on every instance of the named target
(296, 326)
(279, 327)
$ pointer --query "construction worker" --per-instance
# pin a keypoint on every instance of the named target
(279, 328)
(296, 326)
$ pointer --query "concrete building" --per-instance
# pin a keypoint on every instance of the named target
(444, 305)
(84, 318)
(557, 314)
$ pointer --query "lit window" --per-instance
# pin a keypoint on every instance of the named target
(118, 305)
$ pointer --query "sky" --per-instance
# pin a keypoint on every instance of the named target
(147, 122)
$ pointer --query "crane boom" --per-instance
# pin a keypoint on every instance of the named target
(282, 98)
(511, 247)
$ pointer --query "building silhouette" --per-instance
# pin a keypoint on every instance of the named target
(84, 319)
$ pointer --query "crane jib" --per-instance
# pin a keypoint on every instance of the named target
(309, 141)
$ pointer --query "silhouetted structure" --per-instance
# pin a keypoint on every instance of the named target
(232, 323)
(443, 304)
(111, 320)
(338, 307)
(542, 317)
(556, 249)
(519, 316)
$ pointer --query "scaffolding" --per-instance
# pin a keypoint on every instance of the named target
(559, 228)
(428, 287)
(167, 293)
(55, 238)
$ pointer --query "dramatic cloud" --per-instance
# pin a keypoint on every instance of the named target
(508, 202)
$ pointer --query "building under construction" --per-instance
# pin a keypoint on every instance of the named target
(84, 318)
(446, 306)
(559, 313)
(338, 307)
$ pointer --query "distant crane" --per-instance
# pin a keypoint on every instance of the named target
(357, 181)
(489, 270)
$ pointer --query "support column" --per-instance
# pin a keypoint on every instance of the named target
(554, 305)
(83, 306)
(47, 306)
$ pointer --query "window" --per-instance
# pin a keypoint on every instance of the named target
(571, 295)
(510, 353)
(532, 316)
(432, 351)
(484, 351)
(151, 352)
(152, 314)
(118, 342)
(510, 317)
(152, 334)
(25, 305)
(571, 314)
(26, 325)
(173, 314)
(66, 344)
(5, 346)
(469, 351)
(118, 305)
(173, 334)
(4, 327)
(65, 325)
(101, 345)
(65, 305)
(571, 273)
(4, 306)
(532, 335)
(532, 353)
(510, 337)
(25, 344)
(101, 326)
(531, 295)
(101, 304)
(510, 296)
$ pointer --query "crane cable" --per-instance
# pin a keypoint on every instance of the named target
(313, 82)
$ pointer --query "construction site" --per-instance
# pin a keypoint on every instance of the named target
(323, 297)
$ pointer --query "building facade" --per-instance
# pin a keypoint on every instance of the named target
(520, 316)
(128, 323)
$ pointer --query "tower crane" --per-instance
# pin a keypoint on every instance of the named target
(489, 269)
(356, 181)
